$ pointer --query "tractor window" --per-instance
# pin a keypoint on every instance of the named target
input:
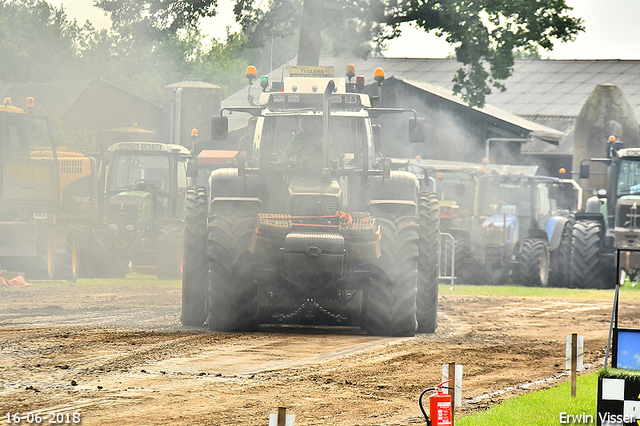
(182, 175)
(455, 186)
(348, 137)
(629, 178)
(546, 206)
(288, 136)
(131, 171)
(498, 197)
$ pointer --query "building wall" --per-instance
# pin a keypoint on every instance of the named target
(102, 106)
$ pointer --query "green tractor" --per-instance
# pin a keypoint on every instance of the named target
(609, 220)
(144, 209)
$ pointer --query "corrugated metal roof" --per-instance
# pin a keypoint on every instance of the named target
(560, 122)
(547, 77)
(489, 110)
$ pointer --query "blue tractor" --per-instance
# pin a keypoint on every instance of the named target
(522, 229)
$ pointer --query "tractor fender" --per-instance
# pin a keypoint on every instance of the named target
(592, 205)
(229, 191)
(554, 228)
(400, 189)
(227, 183)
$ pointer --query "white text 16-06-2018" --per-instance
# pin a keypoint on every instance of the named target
(51, 418)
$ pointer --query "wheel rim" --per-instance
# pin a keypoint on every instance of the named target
(544, 266)
(74, 257)
(50, 255)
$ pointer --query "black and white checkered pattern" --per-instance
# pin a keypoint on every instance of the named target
(618, 402)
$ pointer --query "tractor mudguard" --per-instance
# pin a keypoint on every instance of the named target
(596, 205)
(227, 183)
(554, 228)
(538, 233)
(400, 185)
(583, 215)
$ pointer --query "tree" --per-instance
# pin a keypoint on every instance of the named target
(486, 34)
(37, 41)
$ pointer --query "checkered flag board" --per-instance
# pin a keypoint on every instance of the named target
(618, 402)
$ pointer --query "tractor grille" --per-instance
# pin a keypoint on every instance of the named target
(627, 216)
(315, 205)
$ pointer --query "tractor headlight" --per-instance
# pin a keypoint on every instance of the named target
(113, 226)
(129, 227)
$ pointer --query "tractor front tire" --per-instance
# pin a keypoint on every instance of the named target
(534, 262)
(587, 265)
(195, 264)
(560, 258)
(233, 290)
(429, 233)
(390, 308)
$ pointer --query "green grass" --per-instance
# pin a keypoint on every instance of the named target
(541, 408)
(626, 292)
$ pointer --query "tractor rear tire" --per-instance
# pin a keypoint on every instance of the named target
(587, 264)
(429, 233)
(76, 258)
(168, 259)
(390, 300)
(560, 258)
(233, 290)
(534, 262)
(195, 264)
(42, 265)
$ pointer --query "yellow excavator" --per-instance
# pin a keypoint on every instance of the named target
(46, 194)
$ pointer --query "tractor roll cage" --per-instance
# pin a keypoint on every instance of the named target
(374, 112)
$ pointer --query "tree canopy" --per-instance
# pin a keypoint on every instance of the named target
(156, 42)
(486, 34)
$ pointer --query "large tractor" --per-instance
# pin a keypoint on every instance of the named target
(519, 234)
(45, 192)
(454, 183)
(144, 207)
(609, 220)
(315, 228)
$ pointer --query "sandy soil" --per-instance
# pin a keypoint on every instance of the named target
(121, 356)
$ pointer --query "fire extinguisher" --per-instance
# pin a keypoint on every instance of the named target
(439, 406)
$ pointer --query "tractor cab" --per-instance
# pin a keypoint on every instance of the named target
(145, 190)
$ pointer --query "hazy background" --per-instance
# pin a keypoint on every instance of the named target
(612, 30)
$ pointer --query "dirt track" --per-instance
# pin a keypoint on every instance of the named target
(120, 356)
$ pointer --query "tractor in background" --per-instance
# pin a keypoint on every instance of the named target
(145, 184)
(453, 183)
(519, 234)
(609, 220)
